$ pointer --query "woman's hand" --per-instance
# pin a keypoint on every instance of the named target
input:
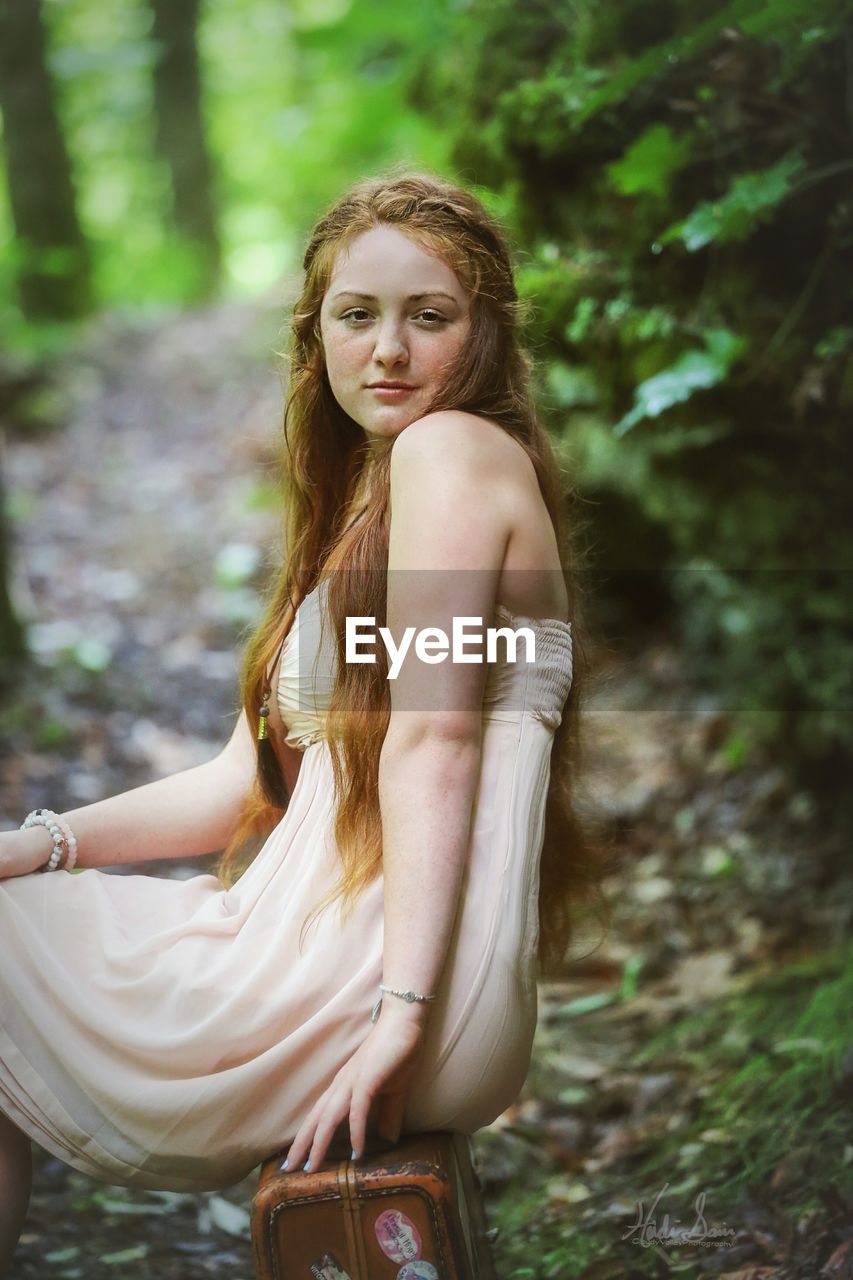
(380, 1070)
(23, 851)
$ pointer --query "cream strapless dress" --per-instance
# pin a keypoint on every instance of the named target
(169, 1034)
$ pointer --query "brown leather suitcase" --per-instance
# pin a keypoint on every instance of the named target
(413, 1212)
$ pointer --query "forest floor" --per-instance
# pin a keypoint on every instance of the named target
(687, 1109)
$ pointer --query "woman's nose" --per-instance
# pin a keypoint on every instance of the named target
(390, 347)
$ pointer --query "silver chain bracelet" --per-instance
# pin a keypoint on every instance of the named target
(409, 996)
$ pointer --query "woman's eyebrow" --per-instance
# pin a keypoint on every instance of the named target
(413, 297)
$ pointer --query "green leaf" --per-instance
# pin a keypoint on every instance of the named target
(319, 13)
(649, 163)
(92, 654)
(581, 321)
(50, 733)
(735, 750)
(751, 199)
(236, 563)
(232, 1218)
(128, 1207)
(136, 1254)
(585, 1004)
(726, 347)
(799, 1045)
(693, 371)
(572, 385)
(631, 977)
(834, 342)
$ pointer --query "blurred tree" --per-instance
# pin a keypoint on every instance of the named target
(11, 633)
(51, 257)
(180, 133)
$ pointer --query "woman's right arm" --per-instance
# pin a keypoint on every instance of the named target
(183, 816)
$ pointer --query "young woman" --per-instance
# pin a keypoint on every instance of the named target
(414, 832)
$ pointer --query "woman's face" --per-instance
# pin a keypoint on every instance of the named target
(392, 313)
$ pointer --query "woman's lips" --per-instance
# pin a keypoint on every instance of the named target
(391, 393)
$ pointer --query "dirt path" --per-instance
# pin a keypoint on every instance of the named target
(138, 528)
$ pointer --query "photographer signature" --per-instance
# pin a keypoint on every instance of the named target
(645, 1231)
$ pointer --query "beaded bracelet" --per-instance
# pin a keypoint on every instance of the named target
(64, 841)
(70, 841)
(409, 996)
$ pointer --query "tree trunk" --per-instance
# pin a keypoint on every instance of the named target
(11, 633)
(52, 271)
(180, 131)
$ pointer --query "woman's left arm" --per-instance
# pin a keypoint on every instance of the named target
(446, 551)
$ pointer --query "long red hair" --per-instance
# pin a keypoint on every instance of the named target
(323, 456)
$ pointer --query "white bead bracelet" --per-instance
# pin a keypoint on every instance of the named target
(64, 841)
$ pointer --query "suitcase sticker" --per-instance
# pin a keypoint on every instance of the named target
(328, 1268)
(419, 1270)
(398, 1237)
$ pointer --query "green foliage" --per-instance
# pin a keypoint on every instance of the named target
(650, 162)
(775, 1049)
(693, 371)
(751, 199)
(682, 188)
(52, 733)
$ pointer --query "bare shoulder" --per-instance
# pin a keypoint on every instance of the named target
(457, 440)
(442, 465)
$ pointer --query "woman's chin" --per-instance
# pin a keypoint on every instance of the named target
(388, 425)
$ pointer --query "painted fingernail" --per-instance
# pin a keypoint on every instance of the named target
(353, 1156)
(285, 1165)
(307, 1166)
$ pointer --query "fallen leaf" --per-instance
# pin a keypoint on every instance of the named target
(62, 1255)
(704, 976)
(136, 1254)
(229, 1217)
(839, 1260)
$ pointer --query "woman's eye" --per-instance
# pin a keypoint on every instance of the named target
(430, 317)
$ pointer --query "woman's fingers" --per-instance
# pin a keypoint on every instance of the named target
(358, 1113)
(391, 1108)
(314, 1135)
(332, 1115)
(301, 1143)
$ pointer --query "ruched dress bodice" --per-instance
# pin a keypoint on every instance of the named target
(513, 689)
